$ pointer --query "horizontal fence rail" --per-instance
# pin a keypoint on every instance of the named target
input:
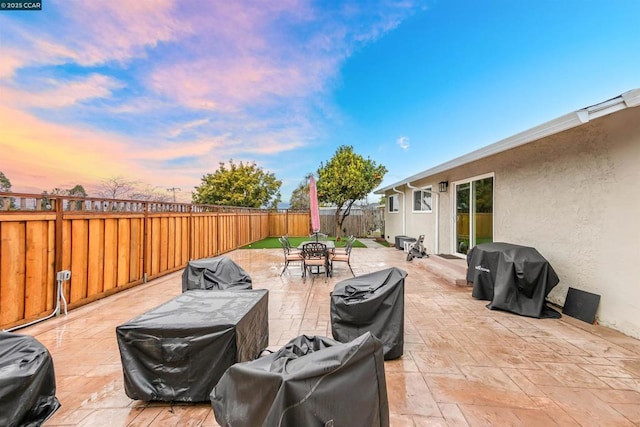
(112, 245)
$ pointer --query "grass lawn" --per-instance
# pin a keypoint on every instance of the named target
(273, 243)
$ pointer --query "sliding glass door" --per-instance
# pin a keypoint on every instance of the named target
(474, 213)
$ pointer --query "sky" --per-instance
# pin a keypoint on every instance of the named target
(162, 91)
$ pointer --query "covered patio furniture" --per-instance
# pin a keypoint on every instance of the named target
(315, 255)
(513, 278)
(27, 381)
(178, 351)
(373, 303)
(216, 273)
(290, 254)
(311, 381)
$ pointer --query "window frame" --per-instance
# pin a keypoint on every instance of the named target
(429, 191)
(393, 201)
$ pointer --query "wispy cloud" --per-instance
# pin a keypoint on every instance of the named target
(57, 93)
(403, 142)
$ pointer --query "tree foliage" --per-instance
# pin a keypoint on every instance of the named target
(300, 196)
(5, 185)
(77, 191)
(346, 178)
(243, 184)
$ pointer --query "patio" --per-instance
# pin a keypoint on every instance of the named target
(462, 365)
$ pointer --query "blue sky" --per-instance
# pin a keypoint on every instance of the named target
(161, 91)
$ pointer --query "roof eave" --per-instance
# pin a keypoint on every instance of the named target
(568, 121)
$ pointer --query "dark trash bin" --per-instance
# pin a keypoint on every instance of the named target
(400, 240)
(371, 302)
(218, 273)
(27, 381)
(311, 381)
(397, 242)
(179, 350)
(513, 278)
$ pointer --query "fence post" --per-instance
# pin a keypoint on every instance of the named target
(58, 237)
(146, 244)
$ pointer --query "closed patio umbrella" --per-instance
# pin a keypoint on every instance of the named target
(313, 205)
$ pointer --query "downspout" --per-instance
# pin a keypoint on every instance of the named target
(436, 239)
(404, 214)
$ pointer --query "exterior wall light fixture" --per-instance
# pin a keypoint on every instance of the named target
(443, 186)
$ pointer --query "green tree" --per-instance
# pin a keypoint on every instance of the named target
(300, 196)
(239, 185)
(345, 179)
(77, 191)
(5, 184)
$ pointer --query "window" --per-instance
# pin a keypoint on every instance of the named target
(422, 200)
(392, 203)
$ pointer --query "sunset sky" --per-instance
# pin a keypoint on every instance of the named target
(162, 91)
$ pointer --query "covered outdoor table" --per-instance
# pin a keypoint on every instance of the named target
(311, 381)
(217, 273)
(179, 350)
(514, 278)
(27, 381)
(371, 302)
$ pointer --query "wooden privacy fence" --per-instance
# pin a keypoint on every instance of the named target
(112, 245)
(359, 223)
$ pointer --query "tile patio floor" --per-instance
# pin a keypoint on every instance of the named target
(462, 365)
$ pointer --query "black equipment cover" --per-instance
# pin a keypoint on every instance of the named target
(179, 350)
(217, 273)
(514, 278)
(371, 302)
(27, 381)
(311, 381)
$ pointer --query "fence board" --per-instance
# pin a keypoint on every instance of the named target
(124, 251)
(164, 244)
(51, 265)
(135, 250)
(36, 268)
(79, 268)
(110, 253)
(12, 263)
(95, 279)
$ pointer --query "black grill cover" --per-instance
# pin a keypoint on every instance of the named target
(27, 381)
(217, 273)
(311, 381)
(179, 350)
(514, 278)
(371, 302)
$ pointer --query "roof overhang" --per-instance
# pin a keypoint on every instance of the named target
(568, 121)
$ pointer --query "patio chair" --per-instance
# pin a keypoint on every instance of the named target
(314, 254)
(349, 241)
(342, 255)
(291, 248)
(290, 255)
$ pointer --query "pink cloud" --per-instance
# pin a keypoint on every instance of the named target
(63, 93)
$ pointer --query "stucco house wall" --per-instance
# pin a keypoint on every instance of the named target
(571, 195)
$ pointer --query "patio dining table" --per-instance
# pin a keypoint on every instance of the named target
(330, 244)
